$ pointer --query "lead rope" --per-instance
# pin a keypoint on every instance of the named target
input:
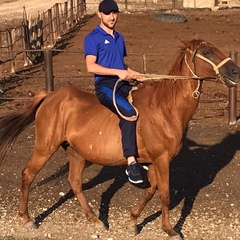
(130, 99)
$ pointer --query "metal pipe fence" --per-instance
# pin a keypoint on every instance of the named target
(34, 40)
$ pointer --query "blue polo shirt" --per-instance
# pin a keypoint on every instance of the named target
(110, 52)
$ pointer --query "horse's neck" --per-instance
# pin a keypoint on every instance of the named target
(170, 98)
(188, 94)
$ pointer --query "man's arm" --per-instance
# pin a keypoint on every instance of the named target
(93, 67)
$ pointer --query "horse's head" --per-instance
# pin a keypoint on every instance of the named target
(205, 60)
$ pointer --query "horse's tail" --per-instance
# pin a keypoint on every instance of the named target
(13, 124)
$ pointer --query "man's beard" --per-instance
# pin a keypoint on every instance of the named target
(109, 26)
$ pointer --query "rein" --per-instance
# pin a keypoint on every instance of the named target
(158, 78)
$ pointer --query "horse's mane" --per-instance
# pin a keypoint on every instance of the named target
(164, 92)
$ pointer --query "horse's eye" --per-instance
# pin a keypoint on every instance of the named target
(206, 53)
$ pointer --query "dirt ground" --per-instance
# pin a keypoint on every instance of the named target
(204, 176)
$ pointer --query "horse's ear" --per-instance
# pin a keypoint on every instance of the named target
(186, 43)
(195, 36)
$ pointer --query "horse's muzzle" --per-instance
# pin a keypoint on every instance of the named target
(230, 77)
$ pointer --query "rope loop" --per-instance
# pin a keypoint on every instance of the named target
(132, 118)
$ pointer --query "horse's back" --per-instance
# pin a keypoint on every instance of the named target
(69, 97)
(74, 93)
(71, 103)
(76, 116)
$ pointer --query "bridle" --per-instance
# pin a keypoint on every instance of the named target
(195, 54)
(215, 67)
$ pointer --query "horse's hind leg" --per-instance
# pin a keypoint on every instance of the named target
(36, 163)
(148, 194)
(76, 167)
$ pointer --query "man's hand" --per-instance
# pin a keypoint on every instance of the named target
(137, 77)
(130, 75)
(124, 75)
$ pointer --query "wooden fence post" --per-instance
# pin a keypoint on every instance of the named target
(65, 14)
(24, 44)
(51, 30)
(83, 8)
(173, 5)
(10, 41)
(48, 67)
(71, 13)
(1, 53)
(144, 63)
(232, 114)
(126, 5)
(57, 21)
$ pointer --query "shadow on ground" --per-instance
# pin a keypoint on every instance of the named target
(194, 168)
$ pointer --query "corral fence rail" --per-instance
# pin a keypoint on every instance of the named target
(232, 96)
(29, 43)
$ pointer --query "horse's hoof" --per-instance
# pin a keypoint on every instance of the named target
(176, 237)
(30, 225)
(132, 230)
(100, 226)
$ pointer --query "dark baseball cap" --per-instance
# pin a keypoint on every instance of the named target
(108, 6)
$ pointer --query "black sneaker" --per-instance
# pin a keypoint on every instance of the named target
(133, 173)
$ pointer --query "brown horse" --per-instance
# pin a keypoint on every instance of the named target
(91, 130)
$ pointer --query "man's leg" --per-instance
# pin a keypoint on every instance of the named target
(128, 130)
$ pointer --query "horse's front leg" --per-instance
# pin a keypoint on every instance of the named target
(76, 167)
(162, 175)
(148, 194)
